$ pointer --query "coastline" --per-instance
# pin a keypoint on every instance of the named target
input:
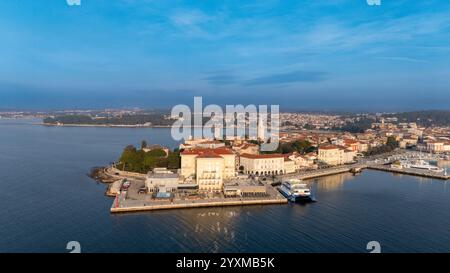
(113, 125)
(103, 125)
(113, 177)
(101, 175)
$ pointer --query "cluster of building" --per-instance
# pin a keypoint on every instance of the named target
(212, 166)
(310, 121)
(208, 164)
(428, 139)
(336, 155)
(436, 140)
(19, 114)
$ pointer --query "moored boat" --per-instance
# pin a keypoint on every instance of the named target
(417, 164)
(295, 191)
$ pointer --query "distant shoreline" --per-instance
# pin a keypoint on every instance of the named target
(104, 125)
(112, 125)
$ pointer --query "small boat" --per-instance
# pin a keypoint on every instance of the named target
(356, 170)
(295, 191)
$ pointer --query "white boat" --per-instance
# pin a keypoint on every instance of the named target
(417, 164)
(424, 165)
(295, 191)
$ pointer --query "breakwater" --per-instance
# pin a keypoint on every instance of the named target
(415, 172)
(201, 204)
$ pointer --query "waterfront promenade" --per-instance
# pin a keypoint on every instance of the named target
(378, 163)
(323, 172)
(124, 205)
(128, 201)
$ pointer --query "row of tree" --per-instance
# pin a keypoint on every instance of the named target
(137, 160)
(300, 146)
(139, 119)
(359, 125)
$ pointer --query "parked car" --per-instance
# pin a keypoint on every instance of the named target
(125, 184)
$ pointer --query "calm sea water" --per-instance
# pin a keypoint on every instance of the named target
(48, 200)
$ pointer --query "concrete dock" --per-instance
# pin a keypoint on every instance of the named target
(323, 172)
(367, 165)
(194, 204)
(415, 172)
(131, 201)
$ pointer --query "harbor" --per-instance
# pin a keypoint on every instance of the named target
(410, 171)
(132, 200)
(127, 188)
(387, 163)
(347, 205)
(356, 168)
(263, 192)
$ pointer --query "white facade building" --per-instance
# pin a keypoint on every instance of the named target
(265, 164)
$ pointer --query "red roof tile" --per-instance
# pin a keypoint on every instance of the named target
(201, 151)
(262, 156)
(328, 147)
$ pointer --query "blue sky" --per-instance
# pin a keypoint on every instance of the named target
(310, 54)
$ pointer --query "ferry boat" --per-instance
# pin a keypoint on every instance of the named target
(424, 165)
(418, 164)
(295, 191)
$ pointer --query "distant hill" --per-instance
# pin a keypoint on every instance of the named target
(424, 118)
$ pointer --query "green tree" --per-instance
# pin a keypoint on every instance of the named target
(174, 160)
(150, 162)
(131, 159)
(143, 144)
(139, 161)
(392, 142)
(156, 153)
(301, 146)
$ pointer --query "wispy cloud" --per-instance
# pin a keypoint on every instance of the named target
(189, 17)
(271, 46)
(192, 23)
(221, 79)
(402, 59)
(289, 77)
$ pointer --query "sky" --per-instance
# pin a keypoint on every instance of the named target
(303, 55)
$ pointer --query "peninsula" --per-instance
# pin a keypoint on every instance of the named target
(212, 172)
